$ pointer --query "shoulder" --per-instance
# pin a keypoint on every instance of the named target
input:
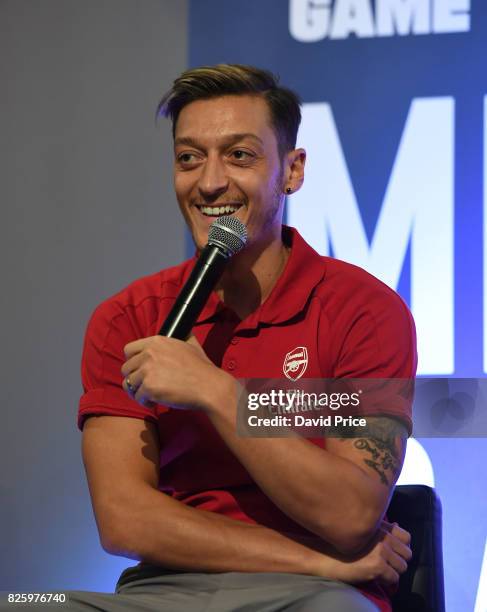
(347, 288)
(342, 288)
(367, 325)
(139, 303)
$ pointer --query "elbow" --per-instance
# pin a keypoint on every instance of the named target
(109, 543)
(123, 525)
(351, 534)
(114, 543)
(111, 533)
(120, 535)
(352, 543)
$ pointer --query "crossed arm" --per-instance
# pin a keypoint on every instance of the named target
(339, 494)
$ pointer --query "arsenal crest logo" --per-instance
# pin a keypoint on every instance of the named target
(295, 363)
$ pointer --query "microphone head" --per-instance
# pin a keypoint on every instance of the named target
(228, 233)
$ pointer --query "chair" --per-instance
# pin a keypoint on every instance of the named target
(417, 509)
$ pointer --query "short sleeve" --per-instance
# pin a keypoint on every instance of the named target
(381, 341)
(378, 341)
(110, 328)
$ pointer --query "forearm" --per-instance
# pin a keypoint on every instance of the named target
(160, 530)
(325, 493)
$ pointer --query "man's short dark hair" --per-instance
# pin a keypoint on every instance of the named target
(208, 82)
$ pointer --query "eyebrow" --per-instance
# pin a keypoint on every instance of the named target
(229, 140)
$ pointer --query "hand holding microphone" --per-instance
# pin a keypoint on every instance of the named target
(227, 236)
(147, 360)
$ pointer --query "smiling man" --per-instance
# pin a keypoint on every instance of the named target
(217, 521)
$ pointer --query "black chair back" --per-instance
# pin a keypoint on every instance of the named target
(417, 509)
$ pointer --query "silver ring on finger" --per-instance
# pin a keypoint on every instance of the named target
(132, 389)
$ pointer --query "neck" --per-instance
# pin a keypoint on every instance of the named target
(251, 275)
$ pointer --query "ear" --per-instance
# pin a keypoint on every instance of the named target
(294, 170)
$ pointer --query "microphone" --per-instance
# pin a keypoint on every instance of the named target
(226, 237)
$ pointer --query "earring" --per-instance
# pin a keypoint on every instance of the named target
(289, 190)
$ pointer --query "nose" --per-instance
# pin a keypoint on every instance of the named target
(213, 181)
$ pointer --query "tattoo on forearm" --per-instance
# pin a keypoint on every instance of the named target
(382, 456)
(379, 442)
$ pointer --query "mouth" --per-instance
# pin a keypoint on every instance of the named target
(218, 211)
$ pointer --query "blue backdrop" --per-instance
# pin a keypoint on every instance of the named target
(395, 125)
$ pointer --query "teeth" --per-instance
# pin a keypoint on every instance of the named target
(213, 211)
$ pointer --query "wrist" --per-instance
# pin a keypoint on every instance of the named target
(222, 393)
(325, 566)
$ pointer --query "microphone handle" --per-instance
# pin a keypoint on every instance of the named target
(195, 293)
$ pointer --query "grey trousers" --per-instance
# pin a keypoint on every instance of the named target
(171, 591)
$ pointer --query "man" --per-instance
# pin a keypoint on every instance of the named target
(222, 522)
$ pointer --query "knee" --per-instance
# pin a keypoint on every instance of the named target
(346, 599)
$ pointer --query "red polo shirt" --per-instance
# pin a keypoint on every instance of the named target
(350, 323)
